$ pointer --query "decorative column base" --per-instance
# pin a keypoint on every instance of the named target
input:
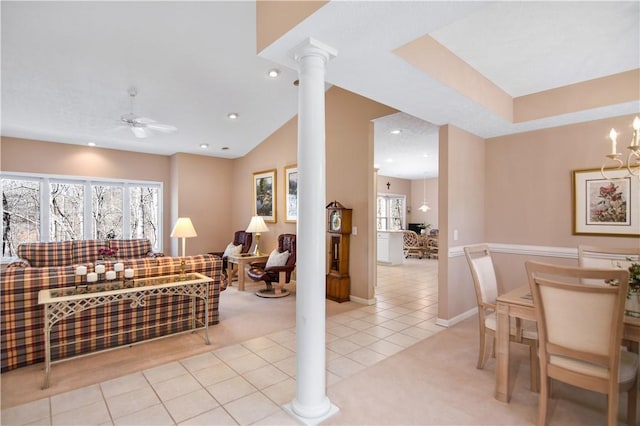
(310, 420)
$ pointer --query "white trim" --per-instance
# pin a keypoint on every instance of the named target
(545, 251)
(458, 318)
(362, 301)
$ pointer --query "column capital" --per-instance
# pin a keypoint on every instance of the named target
(313, 47)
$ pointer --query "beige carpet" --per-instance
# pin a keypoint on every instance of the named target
(435, 382)
(243, 316)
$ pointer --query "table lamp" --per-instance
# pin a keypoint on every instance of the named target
(257, 226)
(183, 229)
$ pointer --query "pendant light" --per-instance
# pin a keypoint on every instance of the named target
(424, 207)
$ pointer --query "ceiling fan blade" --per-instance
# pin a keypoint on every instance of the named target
(139, 132)
(167, 128)
(143, 120)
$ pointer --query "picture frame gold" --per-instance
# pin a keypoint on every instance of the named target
(291, 194)
(264, 195)
(606, 206)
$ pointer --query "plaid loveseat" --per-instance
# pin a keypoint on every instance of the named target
(22, 319)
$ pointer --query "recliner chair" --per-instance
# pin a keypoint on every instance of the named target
(239, 237)
(259, 271)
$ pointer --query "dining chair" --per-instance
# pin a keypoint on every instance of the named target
(607, 257)
(486, 286)
(580, 329)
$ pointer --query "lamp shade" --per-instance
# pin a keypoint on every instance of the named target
(183, 228)
(257, 225)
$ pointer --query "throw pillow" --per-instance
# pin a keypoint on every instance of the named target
(277, 259)
(232, 250)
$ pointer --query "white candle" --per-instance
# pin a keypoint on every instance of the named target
(636, 132)
(118, 267)
(81, 270)
(613, 135)
(111, 275)
(92, 277)
(128, 273)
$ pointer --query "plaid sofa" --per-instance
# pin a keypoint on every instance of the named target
(22, 319)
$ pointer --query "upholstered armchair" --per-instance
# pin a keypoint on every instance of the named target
(240, 238)
(277, 269)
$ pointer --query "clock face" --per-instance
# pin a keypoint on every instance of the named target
(336, 221)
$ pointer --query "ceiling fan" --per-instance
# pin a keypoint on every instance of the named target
(141, 126)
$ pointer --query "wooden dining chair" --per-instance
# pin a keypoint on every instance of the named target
(580, 328)
(607, 257)
(486, 287)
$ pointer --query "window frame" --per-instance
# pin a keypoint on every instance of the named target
(45, 181)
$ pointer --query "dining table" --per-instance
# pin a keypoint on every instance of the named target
(518, 303)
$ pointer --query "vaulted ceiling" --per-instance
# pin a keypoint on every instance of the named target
(67, 68)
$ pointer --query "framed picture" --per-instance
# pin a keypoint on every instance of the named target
(264, 195)
(606, 206)
(291, 193)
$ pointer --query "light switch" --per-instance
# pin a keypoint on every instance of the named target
(354, 230)
(455, 235)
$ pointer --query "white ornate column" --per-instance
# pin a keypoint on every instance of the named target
(311, 404)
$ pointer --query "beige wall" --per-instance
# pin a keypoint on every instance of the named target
(461, 207)
(275, 18)
(207, 204)
(530, 198)
(202, 191)
(349, 164)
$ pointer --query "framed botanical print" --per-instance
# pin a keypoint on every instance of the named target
(606, 206)
(264, 195)
(291, 193)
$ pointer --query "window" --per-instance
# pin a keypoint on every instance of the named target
(42, 208)
(20, 213)
(66, 211)
(391, 212)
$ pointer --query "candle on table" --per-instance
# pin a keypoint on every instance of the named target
(128, 273)
(111, 275)
(100, 269)
(92, 277)
(118, 267)
(81, 270)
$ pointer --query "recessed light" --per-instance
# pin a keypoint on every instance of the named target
(204, 145)
(233, 115)
(396, 131)
(273, 73)
(389, 160)
(91, 144)
(224, 148)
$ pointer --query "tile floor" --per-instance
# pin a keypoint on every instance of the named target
(248, 383)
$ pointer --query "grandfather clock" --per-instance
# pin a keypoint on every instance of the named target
(339, 230)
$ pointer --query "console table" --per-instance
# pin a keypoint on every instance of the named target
(61, 303)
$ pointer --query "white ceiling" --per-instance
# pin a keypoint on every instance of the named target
(66, 68)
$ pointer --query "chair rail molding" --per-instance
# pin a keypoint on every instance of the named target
(545, 251)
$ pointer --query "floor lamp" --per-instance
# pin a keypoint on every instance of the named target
(257, 226)
(183, 229)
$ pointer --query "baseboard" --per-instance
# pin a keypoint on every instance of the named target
(458, 318)
(362, 301)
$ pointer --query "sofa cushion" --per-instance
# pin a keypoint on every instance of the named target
(47, 254)
(131, 249)
(87, 251)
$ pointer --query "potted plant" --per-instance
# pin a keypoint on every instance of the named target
(633, 294)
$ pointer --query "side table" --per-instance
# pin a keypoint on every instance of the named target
(242, 260)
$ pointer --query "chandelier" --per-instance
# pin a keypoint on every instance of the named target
(424, 207)
(633, 159)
